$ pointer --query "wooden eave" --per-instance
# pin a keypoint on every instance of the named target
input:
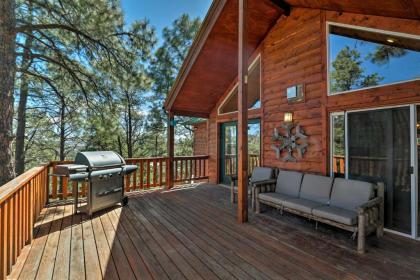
(211, 64)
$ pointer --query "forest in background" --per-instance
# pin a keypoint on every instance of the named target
(83, 80)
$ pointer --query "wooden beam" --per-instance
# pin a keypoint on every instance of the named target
(186, 113)
(170, 167)
(282, 5)
(243, 113)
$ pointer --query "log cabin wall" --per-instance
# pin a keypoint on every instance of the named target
(200, 139)
(295, 52)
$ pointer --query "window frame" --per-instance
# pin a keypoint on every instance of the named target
(368, 29)
(227, 98)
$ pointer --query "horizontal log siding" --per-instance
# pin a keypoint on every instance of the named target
(294, 52)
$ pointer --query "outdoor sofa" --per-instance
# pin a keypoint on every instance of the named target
(351, 205)
(258, 174)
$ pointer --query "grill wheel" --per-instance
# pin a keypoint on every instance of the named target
(125, 201)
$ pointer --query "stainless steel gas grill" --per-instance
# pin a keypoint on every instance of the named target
(104, 172)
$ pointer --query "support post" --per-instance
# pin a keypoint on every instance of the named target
(170, 168)
(243, 113)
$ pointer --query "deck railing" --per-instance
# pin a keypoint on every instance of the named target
(23, 198)
(231, 162)
(21, 201)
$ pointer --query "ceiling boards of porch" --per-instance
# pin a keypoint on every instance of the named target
(206, 75)
(389, 8)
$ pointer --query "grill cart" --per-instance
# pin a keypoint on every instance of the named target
(104, 173)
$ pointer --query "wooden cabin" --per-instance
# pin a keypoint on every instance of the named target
(347, 73)
(343, 76)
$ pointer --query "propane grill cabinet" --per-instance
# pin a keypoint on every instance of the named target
(104, 174)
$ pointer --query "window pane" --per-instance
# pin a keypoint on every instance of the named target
(338, 145)
(360, 59)
(254, 85)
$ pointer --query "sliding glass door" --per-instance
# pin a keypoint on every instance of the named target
(379, 151)
(382, 145)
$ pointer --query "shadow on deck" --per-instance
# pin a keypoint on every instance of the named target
(192, 233)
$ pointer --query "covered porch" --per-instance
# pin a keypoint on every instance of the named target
(191, 232)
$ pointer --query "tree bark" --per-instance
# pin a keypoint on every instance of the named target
(21, 120)
(7, 77)
(62, 129)
(129, 127)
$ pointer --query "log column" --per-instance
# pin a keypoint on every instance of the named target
(170, 167)
(243, 113)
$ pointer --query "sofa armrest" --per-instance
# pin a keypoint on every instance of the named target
(267, 185)
(375, 202)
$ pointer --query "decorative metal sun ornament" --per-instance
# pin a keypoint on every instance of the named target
(294, 140)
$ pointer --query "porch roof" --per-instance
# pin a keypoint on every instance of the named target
(211, 64)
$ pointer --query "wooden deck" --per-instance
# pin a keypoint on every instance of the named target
(192, 234)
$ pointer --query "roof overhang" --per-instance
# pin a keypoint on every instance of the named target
(212, 62)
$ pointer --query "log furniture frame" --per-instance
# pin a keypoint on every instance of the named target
(370, 215)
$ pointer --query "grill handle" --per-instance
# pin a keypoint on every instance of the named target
(128, 169)
(104, 193)
(79, 176)
(106, 172)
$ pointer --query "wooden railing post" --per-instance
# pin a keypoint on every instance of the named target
(170, 169)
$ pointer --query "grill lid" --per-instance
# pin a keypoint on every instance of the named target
(104, 159)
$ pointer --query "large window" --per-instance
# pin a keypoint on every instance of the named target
(363, 57)
(230, 104)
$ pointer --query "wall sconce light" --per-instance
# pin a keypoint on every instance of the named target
(288, 117)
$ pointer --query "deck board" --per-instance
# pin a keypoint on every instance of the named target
(192, 233)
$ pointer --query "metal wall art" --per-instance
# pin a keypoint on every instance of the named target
(295, 141)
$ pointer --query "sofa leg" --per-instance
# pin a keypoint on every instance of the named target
(252, 202)
(361, 234)
(257, 206)
(380, 231)
(232, 196)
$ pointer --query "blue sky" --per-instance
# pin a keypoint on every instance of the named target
(162, 13)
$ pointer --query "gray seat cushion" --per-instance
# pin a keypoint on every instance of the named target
(261, 174)
(316, 188)
(336, 214)
(302, 205)
(275, 198)
(288, 183)
(349, 194)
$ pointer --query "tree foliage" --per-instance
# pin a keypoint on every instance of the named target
(87, 81)
(348, 72)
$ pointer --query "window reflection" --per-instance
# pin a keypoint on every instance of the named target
(360, 59)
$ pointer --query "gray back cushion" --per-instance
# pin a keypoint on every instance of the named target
(261, 174)
(316, 188)
(349, 194)
(288, 182)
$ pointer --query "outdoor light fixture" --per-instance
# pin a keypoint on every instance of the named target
(390, 40)
(288, 117)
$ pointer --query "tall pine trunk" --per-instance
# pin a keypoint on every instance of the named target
(7, 77)
(62, 128)
(21, 120)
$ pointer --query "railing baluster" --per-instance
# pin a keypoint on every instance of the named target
(135, 179)
(141, 166)
(148, 174)
(160, 172)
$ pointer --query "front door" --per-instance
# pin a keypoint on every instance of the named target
(229, 149)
